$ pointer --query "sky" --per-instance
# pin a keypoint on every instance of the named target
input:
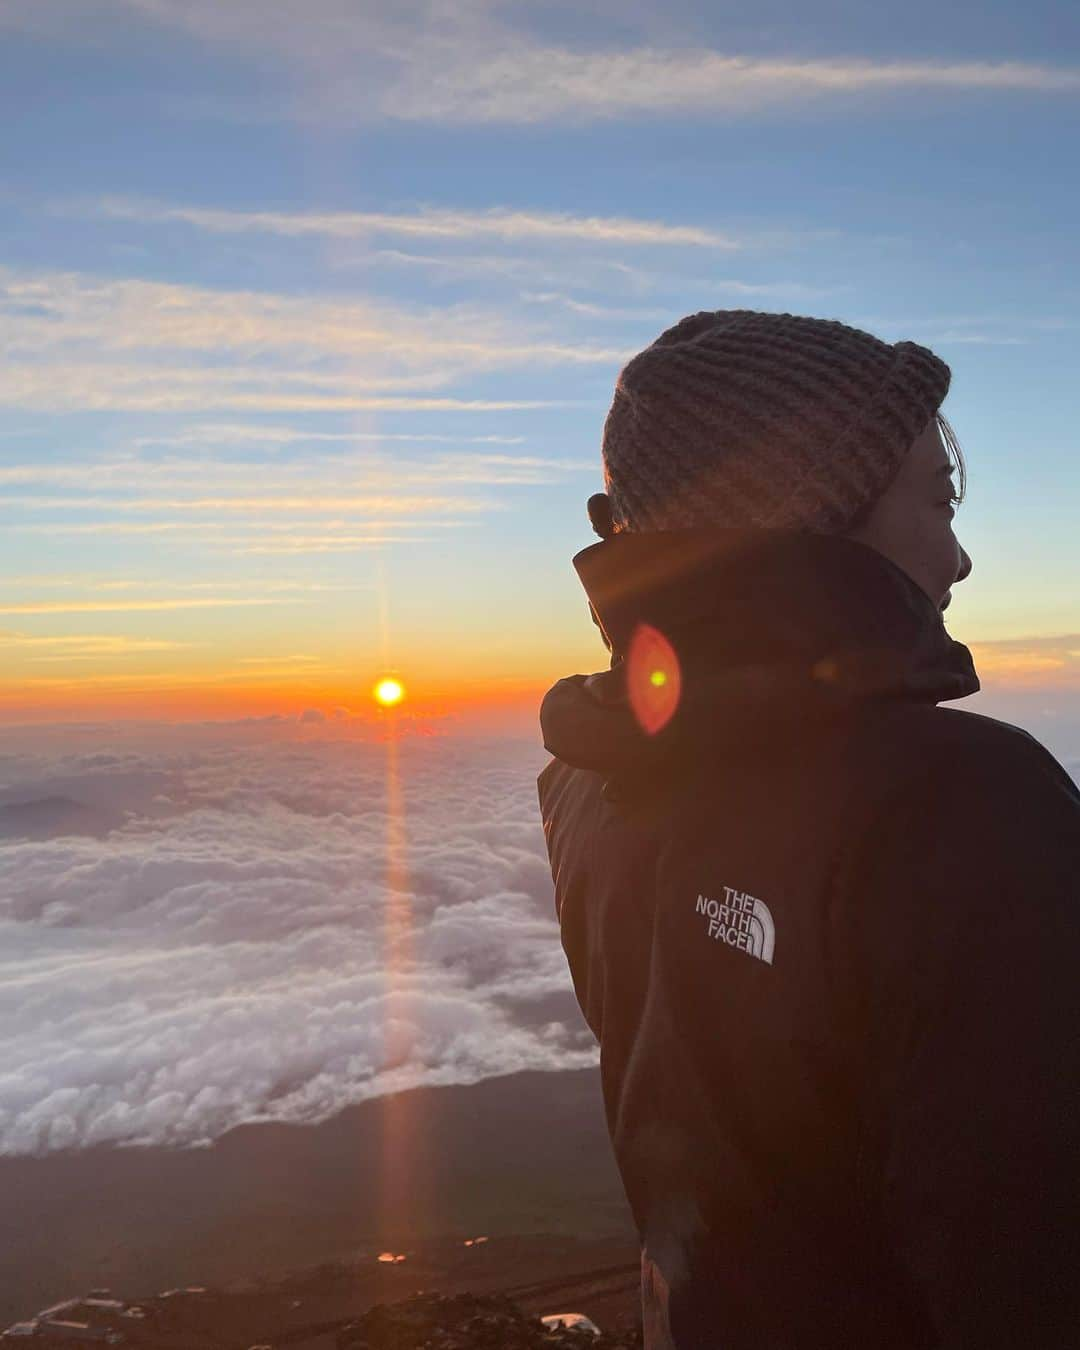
(312, 312)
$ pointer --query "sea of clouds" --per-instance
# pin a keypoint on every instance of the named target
(222, 953)
(275, 918)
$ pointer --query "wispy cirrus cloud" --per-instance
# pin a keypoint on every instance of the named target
(90, 594)
(39, 311)
(1042, 661)
(262, 537)
(72, 340)
(476, 63)
(980, 330)
(83, 646)
(293, 544)
(532, 83)
(785, 290)
(313, 503)
(372, 505)
(594, 272)
(329, 519)
(347, 471)
(264, 435)
(142, 388)
(90, 580)
(83, 682)
(200, 529)
(154, 603)
(259, 536)
(532, 256)
(508, 226)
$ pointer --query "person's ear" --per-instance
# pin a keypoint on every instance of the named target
(599, 508)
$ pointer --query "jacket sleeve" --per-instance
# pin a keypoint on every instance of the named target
(968, 940)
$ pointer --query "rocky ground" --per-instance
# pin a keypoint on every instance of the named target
(450, 1294)
(467, 1322)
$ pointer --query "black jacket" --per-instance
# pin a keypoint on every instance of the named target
(827, 934)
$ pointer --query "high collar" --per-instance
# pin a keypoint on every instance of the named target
(772, 629)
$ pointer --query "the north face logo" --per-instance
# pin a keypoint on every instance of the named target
(742, 921)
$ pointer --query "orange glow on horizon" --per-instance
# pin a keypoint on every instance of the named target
(437, 687)
(180, 701)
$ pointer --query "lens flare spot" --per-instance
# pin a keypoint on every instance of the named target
(388, 692)
(653, 678)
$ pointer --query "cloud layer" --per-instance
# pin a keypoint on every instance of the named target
(529, 83)
(521, 227)
(73, 341)
(475, 62)
(238, 949)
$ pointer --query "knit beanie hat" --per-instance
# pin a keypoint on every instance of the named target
(741, 418)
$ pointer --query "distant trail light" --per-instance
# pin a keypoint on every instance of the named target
(653, 678)
(388, 692)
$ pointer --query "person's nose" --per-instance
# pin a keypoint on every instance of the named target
(965, 564)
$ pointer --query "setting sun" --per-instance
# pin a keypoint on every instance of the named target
(388, 692)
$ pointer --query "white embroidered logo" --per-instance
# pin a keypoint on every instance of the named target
(742, 921)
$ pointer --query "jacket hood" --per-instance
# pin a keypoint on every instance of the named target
(772, 633)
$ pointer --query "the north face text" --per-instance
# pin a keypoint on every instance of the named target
(741, 921)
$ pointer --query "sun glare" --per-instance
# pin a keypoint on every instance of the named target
(388, 692)
(653, 678)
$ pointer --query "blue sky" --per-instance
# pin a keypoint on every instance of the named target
(312, 311)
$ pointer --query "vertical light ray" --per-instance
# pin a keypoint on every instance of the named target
(398, 1201)
(384, 621)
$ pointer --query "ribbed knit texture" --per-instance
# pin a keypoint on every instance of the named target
(737, 417)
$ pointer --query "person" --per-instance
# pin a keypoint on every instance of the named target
(825, 930)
